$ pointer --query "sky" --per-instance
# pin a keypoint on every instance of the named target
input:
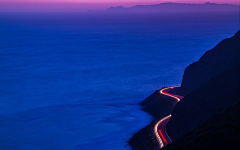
(84, 5)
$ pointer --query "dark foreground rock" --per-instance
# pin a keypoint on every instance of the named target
(215, 97)
(223, 56)
(208, 116)
(216, 77)
(158, 106)
(220, 132)
(143, 139)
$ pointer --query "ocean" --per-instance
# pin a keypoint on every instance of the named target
(74, 81)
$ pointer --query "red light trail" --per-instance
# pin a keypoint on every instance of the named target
(159, 131)
(162, 136)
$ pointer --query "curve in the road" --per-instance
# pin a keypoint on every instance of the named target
(159, 128)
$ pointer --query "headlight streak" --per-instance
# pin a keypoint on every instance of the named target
(156, 130)
(160, 132)
(168, 136)
(171, 95)
(159, 135)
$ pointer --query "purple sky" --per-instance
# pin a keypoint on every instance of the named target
(84, 5)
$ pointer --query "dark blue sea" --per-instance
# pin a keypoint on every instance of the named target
(72, 81)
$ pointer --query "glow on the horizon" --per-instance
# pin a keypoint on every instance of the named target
(124, 1)
(84, 5)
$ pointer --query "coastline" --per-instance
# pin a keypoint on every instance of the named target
(211, 90)
(158, 106)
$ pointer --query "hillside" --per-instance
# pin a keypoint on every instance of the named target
(217, 77)
(207, 118)
(215, 97)
(221, 57)
(220, 131)
(158, 106)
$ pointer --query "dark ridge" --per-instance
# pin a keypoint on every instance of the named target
(225, 55)
(208, 116)
(158, 106)
(143, 139)
(212, 84)
(220, 131)
(216, 96)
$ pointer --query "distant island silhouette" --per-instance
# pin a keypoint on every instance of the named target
(173, 7)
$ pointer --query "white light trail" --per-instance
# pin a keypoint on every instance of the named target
(178, 98)
(171, 95)
(156, 131)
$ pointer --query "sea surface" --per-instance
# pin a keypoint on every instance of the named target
(74, 81)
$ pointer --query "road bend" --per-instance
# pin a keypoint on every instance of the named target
(159, 129)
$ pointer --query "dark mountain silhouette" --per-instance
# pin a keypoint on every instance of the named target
(176, 7)
(118, 8)
(220, 131)
(208, 117)
(215, 79)
(223, 56)
(158, 106)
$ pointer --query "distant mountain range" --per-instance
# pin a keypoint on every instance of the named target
(174, 7)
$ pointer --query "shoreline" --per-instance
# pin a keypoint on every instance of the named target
(211, 93)
(158, 106)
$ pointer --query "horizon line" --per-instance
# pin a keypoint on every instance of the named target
(78, 7)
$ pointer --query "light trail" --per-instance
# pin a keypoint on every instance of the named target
(162, 122)
(160, 141)
(162, 136)
(177, 97)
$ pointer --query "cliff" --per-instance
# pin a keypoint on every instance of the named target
(213, 87)
(158, 106)
(220, 131)
(207, 118)
(221, 57)
(215, 97)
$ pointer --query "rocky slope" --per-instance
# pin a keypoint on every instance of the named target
(216, 77)
(207, 118)
(158, 106)
(216, 96)
(223, 56)
(220, 131)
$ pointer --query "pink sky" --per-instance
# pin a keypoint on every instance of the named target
(84, 5)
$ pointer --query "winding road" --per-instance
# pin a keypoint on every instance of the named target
(159, 129)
